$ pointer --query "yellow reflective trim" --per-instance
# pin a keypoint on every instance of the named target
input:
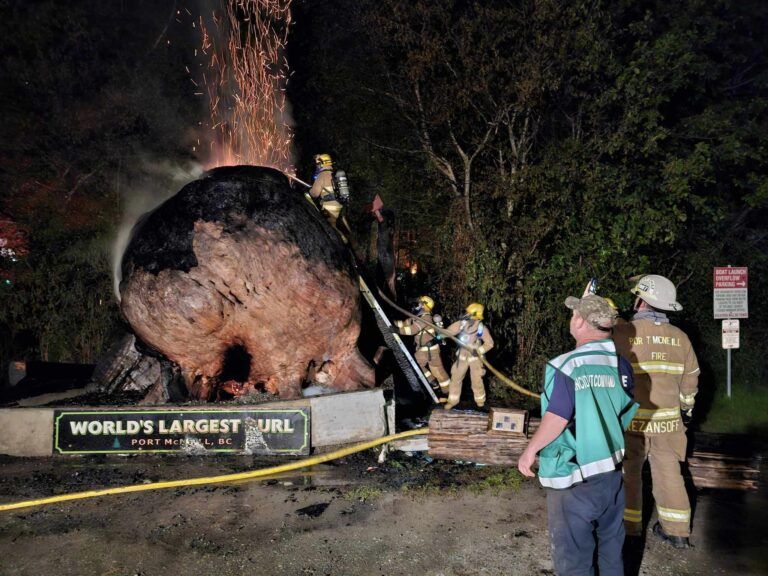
(674, 515)
(628, 518)
(655, 367)
(644, 414)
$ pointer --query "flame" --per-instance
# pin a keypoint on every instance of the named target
(244, 79)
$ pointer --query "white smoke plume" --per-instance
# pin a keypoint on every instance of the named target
(149, 185)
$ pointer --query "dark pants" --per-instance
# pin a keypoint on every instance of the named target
(579, 515)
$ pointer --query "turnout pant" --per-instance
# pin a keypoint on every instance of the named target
(664, 452)
(576, 515)
(432, 366)
(458, 371)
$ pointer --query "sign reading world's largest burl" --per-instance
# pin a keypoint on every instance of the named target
(248, 431)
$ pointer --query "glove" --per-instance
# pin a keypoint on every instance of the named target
(687, 416)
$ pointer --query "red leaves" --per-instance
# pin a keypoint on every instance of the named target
(13, 239)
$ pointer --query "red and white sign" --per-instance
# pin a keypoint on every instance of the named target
(730, 295)
(730, 334)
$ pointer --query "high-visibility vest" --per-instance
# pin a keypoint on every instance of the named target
(594, 441)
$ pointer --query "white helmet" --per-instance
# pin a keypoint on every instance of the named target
(657, 291)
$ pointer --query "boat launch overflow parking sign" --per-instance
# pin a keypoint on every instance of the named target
(730, 292)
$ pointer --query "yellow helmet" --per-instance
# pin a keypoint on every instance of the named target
(323, 161)
(427, 302)
(611, 303)
(475, 311)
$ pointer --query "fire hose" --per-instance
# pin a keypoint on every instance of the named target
(445, 334)
(501, 376)
(306, 463)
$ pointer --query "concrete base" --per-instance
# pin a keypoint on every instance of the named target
(26, 431)
(336, 419)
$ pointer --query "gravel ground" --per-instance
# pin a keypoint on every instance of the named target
(407, 516)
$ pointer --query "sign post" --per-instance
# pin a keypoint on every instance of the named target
(730, 341)
(730, 301)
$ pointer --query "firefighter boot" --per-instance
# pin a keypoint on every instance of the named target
(678, 542)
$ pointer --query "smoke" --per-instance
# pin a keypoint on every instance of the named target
(149, 184)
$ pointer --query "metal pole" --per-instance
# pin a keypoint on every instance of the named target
(729, 372)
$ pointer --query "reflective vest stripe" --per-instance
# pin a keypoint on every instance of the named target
(657, 414)
(632, 515)
(595, 359)
(674, 515)
(605, 465)
(563, 481)
(658, 367)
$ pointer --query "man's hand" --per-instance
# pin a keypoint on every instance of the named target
(687, 416)
(524, 464)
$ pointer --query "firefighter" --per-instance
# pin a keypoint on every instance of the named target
(427, 346)
(323, 189)
(666, 382)
(477, 341)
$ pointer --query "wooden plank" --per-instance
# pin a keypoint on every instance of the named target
(463, 435)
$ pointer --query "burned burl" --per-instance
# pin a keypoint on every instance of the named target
(239, 280)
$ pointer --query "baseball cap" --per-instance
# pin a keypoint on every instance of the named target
(594, 309)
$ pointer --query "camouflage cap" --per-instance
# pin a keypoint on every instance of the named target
(594, 309)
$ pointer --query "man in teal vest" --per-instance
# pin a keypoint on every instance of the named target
(586, 406)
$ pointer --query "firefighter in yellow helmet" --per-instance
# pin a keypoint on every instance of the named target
(427, 353)
(477, 341)
(666, 382)
(323, 190)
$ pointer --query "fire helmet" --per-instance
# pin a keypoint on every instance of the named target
(323, 161)
(427, 303)
(657, 291)
(475, 311)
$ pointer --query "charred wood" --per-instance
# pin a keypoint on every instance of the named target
(456, 435)
(241, 283)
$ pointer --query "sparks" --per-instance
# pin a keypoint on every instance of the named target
(245, 78)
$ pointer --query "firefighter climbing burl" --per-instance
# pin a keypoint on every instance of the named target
(247, 431)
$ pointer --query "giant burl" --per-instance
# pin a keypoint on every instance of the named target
(239, 280)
